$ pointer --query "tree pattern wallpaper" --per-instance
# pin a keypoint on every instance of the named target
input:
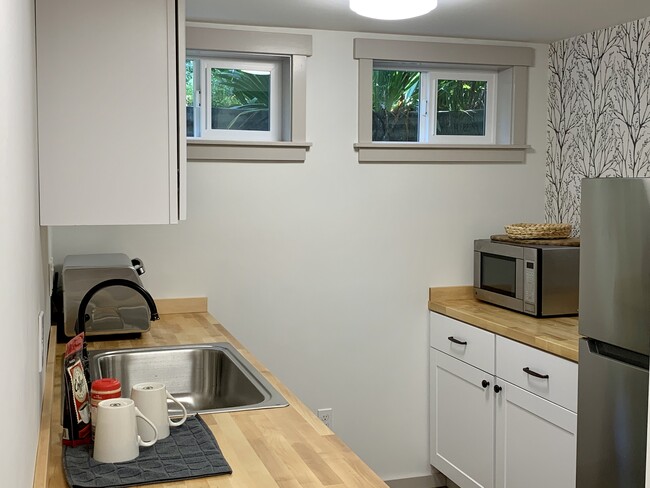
(598, 113)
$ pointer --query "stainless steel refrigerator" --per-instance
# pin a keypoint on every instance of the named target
(615, 319)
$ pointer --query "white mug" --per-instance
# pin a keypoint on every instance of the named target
(151, 399)
(116, 432)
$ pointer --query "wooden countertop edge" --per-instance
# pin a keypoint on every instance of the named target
(449, 301)
(43, 449)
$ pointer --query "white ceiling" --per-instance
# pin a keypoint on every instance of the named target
(517, 20)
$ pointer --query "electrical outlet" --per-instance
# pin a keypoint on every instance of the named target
(325, 414)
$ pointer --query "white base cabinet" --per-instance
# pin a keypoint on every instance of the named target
(462, 421)
(488, 432)
(535, 441)
(111, 111)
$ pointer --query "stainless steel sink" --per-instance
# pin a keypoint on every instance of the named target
(206, 378)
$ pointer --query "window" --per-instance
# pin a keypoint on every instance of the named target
(246, 94)
(238, 100)
(441, 102)
(463, 107)
(433, 106)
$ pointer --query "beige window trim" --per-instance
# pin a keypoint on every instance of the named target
(209, 151)
(203, 37)
(395, 152)
(511, 64)
(443, 52)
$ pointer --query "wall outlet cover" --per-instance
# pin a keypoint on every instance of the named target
(325, 414)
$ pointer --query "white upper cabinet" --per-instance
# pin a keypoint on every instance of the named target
(111, 111)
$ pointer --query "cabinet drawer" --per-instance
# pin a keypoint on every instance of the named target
(523, 365)
(448, 336)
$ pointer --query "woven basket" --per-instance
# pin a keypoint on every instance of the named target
(538, 231)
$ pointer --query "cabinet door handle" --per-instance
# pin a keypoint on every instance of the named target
(529, 371)
(456, 341)
(485, 383)
(497, 388)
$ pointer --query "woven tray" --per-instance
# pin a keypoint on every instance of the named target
(538, 231)
(569, 242)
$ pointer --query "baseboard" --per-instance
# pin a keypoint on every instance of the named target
(435, 480)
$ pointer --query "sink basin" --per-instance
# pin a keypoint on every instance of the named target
(205, 378)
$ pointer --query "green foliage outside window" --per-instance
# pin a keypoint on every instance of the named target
(461, 107)
(395, 104)
(242, 99)
(237, 88)
(189, 83)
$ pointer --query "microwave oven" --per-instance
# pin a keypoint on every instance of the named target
(538, 280)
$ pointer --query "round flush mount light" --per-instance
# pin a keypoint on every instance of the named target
(392, 9)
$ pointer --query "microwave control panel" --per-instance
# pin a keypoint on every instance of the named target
(530, 281)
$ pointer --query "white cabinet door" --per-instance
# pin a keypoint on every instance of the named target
(535, 441)
(462, 421)
(110, 117)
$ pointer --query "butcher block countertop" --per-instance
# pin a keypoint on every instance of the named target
(285, 447)
(558, 335)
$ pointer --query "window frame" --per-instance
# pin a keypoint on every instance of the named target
(511, 64)
(428, 101)
(429, 129)
(275, 106)
(245, 43)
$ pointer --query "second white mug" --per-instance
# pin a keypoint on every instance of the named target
(151, 399)
(116, 434)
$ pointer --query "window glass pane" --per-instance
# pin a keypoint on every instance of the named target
(461, 108)
(395, 105)
(189, 96)
(240, 99)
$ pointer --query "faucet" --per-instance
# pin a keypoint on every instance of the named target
(80, 326)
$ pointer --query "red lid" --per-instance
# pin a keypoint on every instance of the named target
(106, 384)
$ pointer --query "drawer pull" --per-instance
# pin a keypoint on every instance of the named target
(485, 383)
(456, 341)
(529, 371)
(497, 388)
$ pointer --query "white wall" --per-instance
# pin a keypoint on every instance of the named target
(22, 244)
(322, 269)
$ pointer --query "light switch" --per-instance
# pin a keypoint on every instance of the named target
(41, 340)
(51, 271)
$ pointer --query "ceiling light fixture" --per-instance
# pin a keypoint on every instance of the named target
(392, 9)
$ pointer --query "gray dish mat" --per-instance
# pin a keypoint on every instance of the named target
(191, 451)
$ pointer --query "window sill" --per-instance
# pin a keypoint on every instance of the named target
(404, 152)
(207, 151)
